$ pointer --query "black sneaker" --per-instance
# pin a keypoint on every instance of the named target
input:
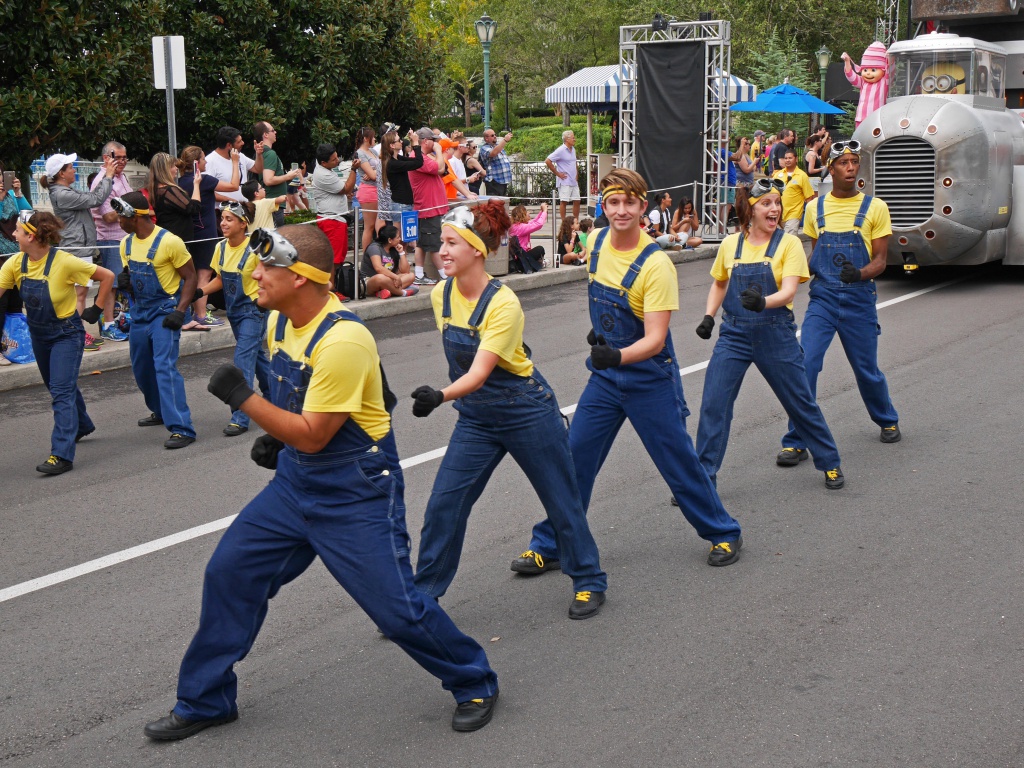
(474, 714)
(174, 727)
(55, 465)
(86, 433)
(586, 604)
(790, 457)
(178, 440)
(726, 553)
(834, 479)
(891, 434)
(151, 421)
(530, 564)
(234, 430)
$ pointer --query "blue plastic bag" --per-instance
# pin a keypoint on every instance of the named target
(16, 344)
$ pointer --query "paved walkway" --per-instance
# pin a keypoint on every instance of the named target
(112, 355)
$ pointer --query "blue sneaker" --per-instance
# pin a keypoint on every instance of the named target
(209, 321)
(113, 333)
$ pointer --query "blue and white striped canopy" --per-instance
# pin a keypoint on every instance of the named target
(600, 85)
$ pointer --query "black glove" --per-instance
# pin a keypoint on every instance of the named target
(849, 273)
(705, 327)
(752, 299)
(197, 295)
(602, 356)
(124, 280)
(426, 399)
(264, 451)
(91, 314)
(229, 384)
(591, 338)
(175, 320)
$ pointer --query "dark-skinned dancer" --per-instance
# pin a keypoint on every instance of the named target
(850, 232)
(633, 290)
(337, 494)
(505, 407)
(47, 278)
(160, 274)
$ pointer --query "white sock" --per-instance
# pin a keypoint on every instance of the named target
(106, 325)
(419, 271)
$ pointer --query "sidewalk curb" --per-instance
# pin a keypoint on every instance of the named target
(114, 355)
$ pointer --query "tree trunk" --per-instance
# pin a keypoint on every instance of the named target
(466, 113)
(565, 115)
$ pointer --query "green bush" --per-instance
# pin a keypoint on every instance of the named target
(298, 217)
(535, 144)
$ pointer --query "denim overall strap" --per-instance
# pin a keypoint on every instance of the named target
(832, 249)
(634, 269)
(753, 273)
(151, 254)
(596, 250)
(492, 287)
(39, 310)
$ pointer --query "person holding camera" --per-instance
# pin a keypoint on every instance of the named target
(496, 162)
(159, 272)
(46, 278)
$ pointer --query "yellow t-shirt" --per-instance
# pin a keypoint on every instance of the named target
(501, 331)
(232, 257)
(66, 272)
(840, 213)
(346, 369)
(170, 256)
(656, 288)
(789, 259)
(798, 189)
(264, 216)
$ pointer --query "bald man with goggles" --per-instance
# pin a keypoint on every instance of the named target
(850, 232)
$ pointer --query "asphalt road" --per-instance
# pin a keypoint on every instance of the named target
(877, 625)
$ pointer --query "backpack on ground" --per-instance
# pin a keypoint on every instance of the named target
(519, 260)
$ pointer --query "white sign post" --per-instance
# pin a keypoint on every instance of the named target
(169, 73)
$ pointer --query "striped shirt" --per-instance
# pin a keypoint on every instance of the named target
(872, 95)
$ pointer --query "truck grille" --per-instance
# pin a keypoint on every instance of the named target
(905, 179)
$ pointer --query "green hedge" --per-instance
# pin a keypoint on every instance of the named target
(535, 144)
(298, 217)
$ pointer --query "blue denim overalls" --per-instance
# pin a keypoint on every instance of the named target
(768, 340)
(249, 326)
(58, 345)
(508, 414)
(650, 395)
(344, 504)
(153, 348)
(846, 308)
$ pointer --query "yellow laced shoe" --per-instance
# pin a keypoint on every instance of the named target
(891, 434)
(834, 479)
(725, 553)
(586, 604)
(790, 457)
(531, 563)
(55, 465)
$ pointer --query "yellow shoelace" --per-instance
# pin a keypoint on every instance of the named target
(583, 597)
(52, 460)
(832, 474)
(725, 546)
(536, 558)
(477, 701)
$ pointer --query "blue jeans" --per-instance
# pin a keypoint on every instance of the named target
(365, 546)
(533, 432)
(773, 348)
(154, 355)
(58, 352)
(657, 411)
(250, 329)
(110, 258)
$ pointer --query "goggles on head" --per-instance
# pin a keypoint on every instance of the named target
(236, 209)
(127, 210)
(24, 220)
(273, 250)
(461, 218)
(762, 187)
(842, 147)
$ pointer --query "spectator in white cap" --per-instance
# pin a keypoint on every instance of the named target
(73, 208)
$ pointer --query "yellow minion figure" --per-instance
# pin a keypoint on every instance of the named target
(944, 77)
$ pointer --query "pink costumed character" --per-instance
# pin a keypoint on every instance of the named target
(872, 79)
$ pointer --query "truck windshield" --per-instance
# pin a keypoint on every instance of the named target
(932, 73)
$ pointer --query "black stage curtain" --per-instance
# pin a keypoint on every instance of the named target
(669, 117)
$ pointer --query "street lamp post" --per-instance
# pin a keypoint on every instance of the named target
(507, 126)
(485, 28)
(823, 54)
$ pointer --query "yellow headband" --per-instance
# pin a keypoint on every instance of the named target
(27, 227)
(469, 236)
(607, 191)
(143, 211)
(310, 273)
(846, 151)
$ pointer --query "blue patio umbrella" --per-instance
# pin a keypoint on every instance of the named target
(787, 99)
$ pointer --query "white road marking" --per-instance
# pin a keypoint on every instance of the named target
(124, 555)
